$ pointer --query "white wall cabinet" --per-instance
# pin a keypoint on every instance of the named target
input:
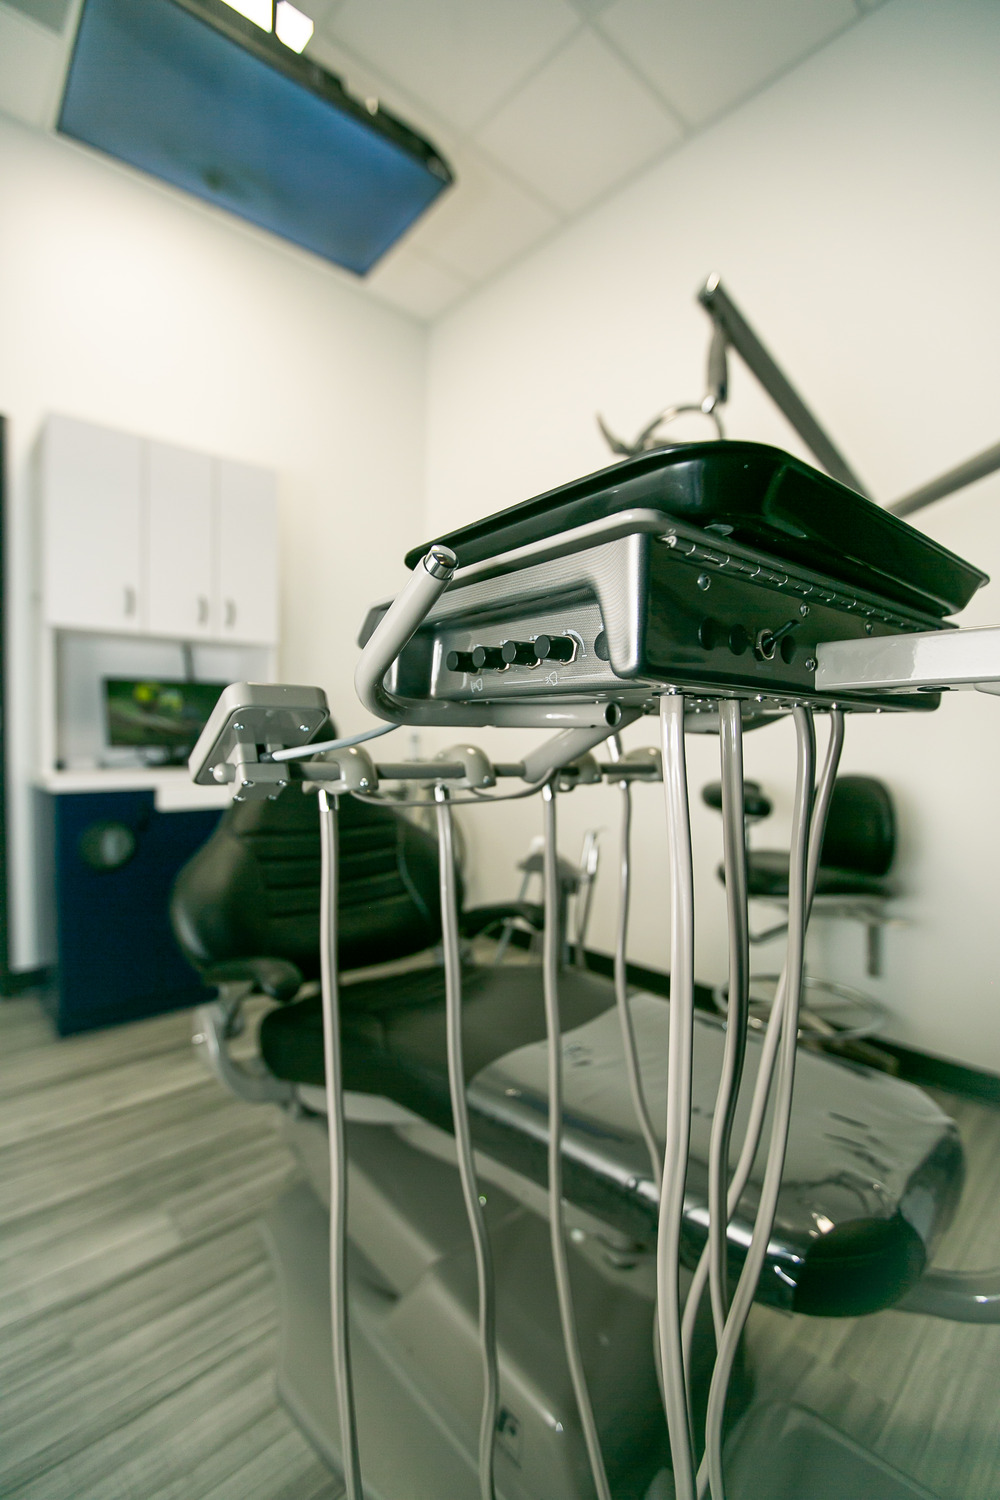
(152, 539)
(91, 526)
(247, 513)
(179, 544)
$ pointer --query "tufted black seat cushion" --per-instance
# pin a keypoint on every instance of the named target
(871, 1159)
(393, 1029)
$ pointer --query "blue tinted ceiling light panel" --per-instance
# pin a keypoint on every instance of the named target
(191, 92)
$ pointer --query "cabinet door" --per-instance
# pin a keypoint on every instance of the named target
(179, 543)
(248, 553)
(91, 497)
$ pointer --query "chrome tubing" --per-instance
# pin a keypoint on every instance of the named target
(769, 1050)
(680, 1048)
(557, 1229)
(764, 1221)
(340, 1332)
(463, 1143)
(738, 1009)
(632, 1064)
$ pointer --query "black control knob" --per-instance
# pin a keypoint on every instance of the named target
(459, 661)
(489, 658)
(519, 653)
(555, 647)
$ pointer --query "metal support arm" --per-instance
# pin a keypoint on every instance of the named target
(924, 662)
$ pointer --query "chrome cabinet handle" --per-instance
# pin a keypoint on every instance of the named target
(202, 609)
(130, 599)
(230, 612)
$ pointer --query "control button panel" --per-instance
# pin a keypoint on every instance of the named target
(555, 647)
(519, 653)
(510, 653)
(487, 659)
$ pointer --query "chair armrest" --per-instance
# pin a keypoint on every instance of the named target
(275, 977)
(481, 918)
(960, 1296)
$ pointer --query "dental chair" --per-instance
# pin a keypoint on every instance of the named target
(500, 1135)
(873, 1161)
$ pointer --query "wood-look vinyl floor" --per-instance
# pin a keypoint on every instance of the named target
(137, 1306)
(922, 1392)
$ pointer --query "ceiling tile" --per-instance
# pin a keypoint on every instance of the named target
(705, 55)
(581, 124)
(51, 13)
(415, 284)
(460, 56)
(365, 80)
(483, 221)
(31, 65)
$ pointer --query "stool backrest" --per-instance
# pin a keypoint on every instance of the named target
(861, 827)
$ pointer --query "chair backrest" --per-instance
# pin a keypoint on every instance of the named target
(861, 827)
(252, 890)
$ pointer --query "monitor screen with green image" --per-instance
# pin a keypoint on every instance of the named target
(158, 714)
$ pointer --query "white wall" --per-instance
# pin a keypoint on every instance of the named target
(128, 304)
(852, 210)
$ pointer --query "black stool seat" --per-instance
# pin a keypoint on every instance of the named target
(874, 1167)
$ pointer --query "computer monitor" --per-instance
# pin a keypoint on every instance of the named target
(158, 718)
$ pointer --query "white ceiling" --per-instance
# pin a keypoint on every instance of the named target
(542, 107)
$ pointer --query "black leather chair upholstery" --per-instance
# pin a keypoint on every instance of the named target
(248, 904)
(253, 888)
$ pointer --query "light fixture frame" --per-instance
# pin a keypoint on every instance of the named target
(309, 74)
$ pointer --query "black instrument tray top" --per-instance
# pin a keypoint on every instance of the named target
(758, 496)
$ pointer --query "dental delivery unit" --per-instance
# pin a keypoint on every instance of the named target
(565, 1196)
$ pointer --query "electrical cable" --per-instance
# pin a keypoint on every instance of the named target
(757, 1250)
(765, 1067)
(557, 1229)
(680, 1048)
(476, 800)
(302, 752)
(738, 1009)
(463, 1142)
(340, 1332)
(529, 791)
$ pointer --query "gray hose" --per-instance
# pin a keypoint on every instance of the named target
(738, 1009)
(463, 1142)
(557, 1230)
(765, 1069)
(679, 1060)
(329, 842)
(632, 1063)
(757, 1250)
(633, 1066)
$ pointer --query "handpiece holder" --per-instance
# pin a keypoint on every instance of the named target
(248, 718)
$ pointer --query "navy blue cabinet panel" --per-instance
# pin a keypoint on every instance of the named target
(115, 859)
